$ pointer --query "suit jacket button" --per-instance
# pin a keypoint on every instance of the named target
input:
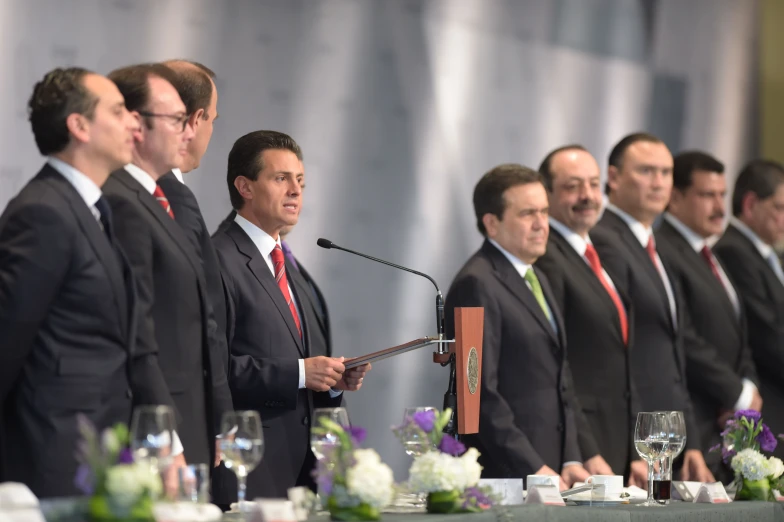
(627, 395)
(129, 394)
(205, 373)
(305, 421)
(560, 426)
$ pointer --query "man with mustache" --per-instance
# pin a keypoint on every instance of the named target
(596, 314)
(746, 250)
(527, 416)
(720, 370)
(639, 182)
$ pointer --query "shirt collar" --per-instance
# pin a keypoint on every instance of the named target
(147, 181)
(178, 174)
(579, 243)
(696, 241)
(519, 265)
(261, 239)
(87, 189)
(640, 231)
(764, 249)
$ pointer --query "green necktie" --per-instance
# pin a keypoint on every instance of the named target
(536, 289)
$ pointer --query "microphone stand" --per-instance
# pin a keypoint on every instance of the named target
(442, 355)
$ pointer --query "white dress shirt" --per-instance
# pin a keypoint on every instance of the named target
(149, 184)
(87, 189)
(580, 245)
(697, 242)
(178, 174)
(765, 250)
(643, 234)
(265, 245)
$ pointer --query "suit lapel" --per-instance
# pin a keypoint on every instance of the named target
(302, 279)
(258, 266)
(302, 297)
(508, 275)
(99, 243)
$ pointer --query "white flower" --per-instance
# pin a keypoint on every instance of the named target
(370, 480)
(110, 442)
(125, 483)
(751, 464)
(436, 471)
(776, 467)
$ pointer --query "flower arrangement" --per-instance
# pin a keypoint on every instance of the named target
(756, 476)
(119, 488)
(357, 484)
(446, 472)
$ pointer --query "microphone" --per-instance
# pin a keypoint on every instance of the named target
(326, 243)
(450, 397)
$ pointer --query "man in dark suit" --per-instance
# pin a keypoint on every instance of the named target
(596, 314)
(527, 413)
(720, 371)
(273, 368)
(175, 312)
(746, 252)
(194, 84)
(639, 181)
(67, 297)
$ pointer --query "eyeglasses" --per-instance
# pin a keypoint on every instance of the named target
(179, 119)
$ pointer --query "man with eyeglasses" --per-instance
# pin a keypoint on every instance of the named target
(175, 315)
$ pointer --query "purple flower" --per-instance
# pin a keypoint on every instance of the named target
(323, 475)
(474, 498)
(729, 427)
(425, 420)
(125, 456)
(357, 434)
(451, 446)
(727, 454)
(751, 415)
(766, 439)
(84, 479)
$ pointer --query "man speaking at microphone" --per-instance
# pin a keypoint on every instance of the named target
(272, 368)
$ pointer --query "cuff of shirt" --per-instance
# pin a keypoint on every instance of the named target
(335, 393)
(301, 373)
(177, 448)
(746, 395)
(571, 463)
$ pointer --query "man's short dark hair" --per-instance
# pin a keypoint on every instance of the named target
(545, 169)
(489, 192)
(59, 94)
(245, 158)
(760, 176)
(686, 163)
(133, 83)
(193, 82)
(618, 152)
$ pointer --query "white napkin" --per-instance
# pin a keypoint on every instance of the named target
(14, 495)
(186, 511)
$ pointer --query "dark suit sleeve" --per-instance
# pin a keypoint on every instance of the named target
(500, 436)
(34, 258)
(132, 232)
(580, 444)
(256, 380)
(586, 441)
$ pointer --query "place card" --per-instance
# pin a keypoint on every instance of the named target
(546, 495)
(276, 510)
(508, 491)
(712, 494)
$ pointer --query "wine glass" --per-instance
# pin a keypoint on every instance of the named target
(152, 434)
(416, 444)
(321, 443)
(242, 446)
(677, 434)
(651, 440)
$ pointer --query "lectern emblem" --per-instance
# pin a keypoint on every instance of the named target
(473, 370)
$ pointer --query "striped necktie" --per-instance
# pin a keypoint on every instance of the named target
(279, 262)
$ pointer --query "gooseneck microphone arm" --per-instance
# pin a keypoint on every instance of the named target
(450, 397)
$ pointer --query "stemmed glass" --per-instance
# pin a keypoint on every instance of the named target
(151, 434)
(321, 443)
(242, 446)
(677, 434)
(415, 444)
(651, 440)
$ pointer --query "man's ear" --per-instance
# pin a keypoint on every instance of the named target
(78, 126)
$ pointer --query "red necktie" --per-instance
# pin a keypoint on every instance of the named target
(593, 259)
(161, 197)
(707, 255)
(279, 262)
(651, 249)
